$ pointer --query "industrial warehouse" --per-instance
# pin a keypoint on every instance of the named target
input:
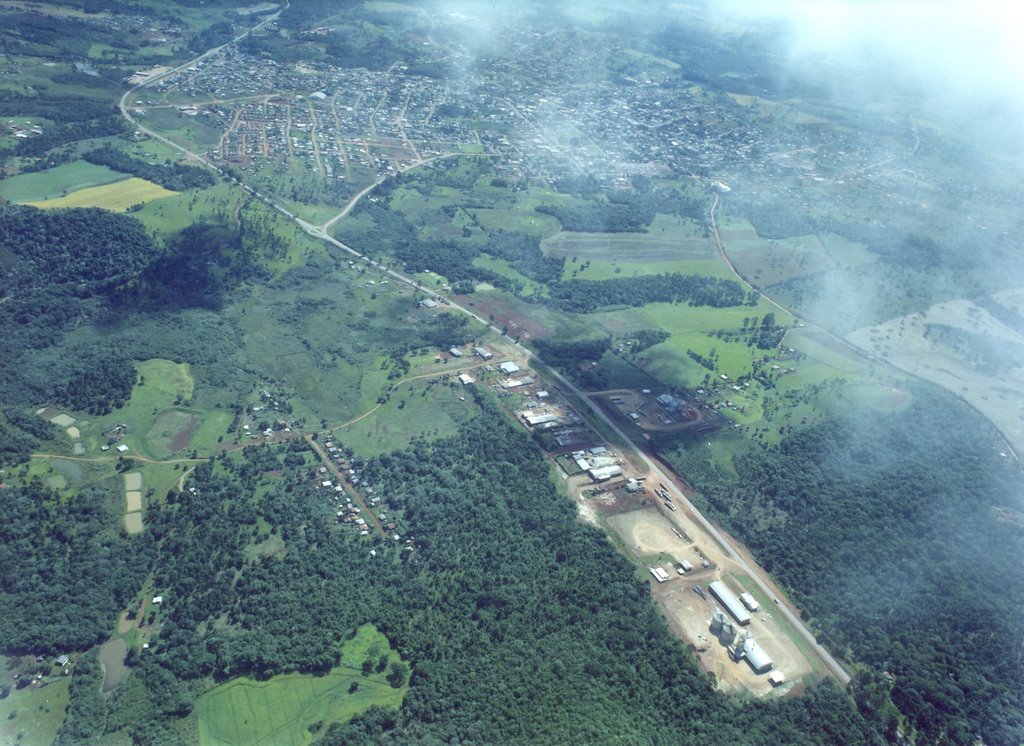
(732, 604)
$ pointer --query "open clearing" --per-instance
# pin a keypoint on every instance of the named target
(133, 481)
(280, 711)
(133, 502)
(648, 534)
(117, 197)
(418, 410)
(112, 654)
(57, 182)
(133, 523)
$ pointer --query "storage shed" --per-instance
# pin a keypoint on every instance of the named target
(729, 601)
(756, 657)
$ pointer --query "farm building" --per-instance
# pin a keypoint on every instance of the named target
(508, 367)
(749, 601)
(776, 678)
(602, 473)
(729, 601)
(533, 419)
(670, 403)
(455, 352)
(482, 352)
(465, 379)
(659, 574)
(755, 655)
(428, 303)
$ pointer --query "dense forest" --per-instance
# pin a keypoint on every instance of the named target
(506, 607)
(65, 269)
(915, 512)
(69, 569)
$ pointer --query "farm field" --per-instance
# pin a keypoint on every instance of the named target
(281, 710)
(117, 197)
(57, 182)
(178, 211)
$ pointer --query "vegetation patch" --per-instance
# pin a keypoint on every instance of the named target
(291, 709)
(117, 197)
(423, 410)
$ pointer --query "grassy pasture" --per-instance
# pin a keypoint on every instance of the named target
(32, 716)
(501, 267)
(414, 411)
(673, 243)
(118, 196)
(281, 710)
(607, 270)
(57, 182)
(180, 210)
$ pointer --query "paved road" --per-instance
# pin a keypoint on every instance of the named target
(320, 231)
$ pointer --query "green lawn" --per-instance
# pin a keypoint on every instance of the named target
(282, 710)
(57, 182)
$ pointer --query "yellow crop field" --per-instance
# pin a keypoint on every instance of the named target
(117, 197)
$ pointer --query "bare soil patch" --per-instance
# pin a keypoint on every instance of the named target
(133, 481)
(133, 523)
(133, 501)
(648, 534)
(516, 323)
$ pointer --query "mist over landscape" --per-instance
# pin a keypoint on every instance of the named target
(471, 372)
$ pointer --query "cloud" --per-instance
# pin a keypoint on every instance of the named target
(953, 53)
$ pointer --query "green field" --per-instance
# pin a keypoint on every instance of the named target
(281, 710)
(417, 410)
(57, 182)
(118, 196)
(32, 716)
(178, 211)
(669, 238)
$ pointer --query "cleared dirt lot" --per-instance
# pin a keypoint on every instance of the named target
(648, 534)
(133, 501)
(690, 616)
